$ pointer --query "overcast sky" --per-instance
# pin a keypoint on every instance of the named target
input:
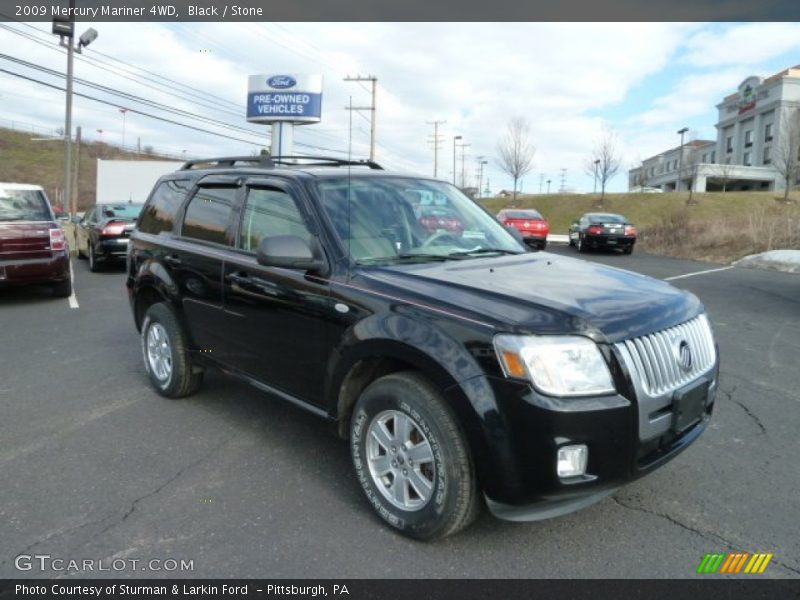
(644, 81)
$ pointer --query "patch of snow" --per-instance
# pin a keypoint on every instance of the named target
(787, 261)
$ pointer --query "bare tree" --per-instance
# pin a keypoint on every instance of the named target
(605, 161)
(692, 166)
(786, 152)
(515, 152)
(724, 171)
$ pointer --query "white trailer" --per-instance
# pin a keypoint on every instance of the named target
(130, 180)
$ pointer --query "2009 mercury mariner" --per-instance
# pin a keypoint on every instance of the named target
(463, 369)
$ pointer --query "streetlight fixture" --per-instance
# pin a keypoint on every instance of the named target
(681, 131)
(455, 137)
(596, 167)
(548, 186)
(66, 30)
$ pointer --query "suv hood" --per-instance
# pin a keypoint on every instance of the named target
(542, 293)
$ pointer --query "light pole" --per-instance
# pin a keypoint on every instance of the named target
(455, 137)
(124, 112)
(548, 186)
(480, 176)
(66, 30)
(680, 159)
(596, 166)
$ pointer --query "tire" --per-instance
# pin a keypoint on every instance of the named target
(62, 289)
(94, 266)
(628, 250)
(78, 252)
(166, 354)
(580, 245)
(449, 502)
(543, 246)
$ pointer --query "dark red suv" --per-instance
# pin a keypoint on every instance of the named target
(33, 248)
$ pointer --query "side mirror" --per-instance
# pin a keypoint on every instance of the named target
(289, 252)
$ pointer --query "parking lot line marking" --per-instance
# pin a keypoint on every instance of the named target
(698, 273)
(73, 299)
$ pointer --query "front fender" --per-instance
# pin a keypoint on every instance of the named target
(450, 364)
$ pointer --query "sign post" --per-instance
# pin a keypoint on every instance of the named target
(284, 101)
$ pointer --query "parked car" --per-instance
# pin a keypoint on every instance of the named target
(602, 230)
(102, 234)
(530, 223)
(462, 369)
(33, 248)
(434, 218)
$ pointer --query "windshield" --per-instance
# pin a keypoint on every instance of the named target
(391, 219)
(120, 211)
(23, 205)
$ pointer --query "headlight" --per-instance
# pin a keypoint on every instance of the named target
(556, 365)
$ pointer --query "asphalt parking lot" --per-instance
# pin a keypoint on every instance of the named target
(95, 465)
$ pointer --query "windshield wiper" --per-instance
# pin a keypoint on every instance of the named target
(479, 251)
(423, 256)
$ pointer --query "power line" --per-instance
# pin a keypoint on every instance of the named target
(372, 108)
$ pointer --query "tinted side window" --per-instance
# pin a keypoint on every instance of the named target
(159, 214)
(267, 213)
(208, 213)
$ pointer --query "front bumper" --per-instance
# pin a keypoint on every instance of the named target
(536, 426)
(52, 269)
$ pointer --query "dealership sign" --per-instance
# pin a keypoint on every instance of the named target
(284, 97)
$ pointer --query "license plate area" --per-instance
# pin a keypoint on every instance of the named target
(688, 406)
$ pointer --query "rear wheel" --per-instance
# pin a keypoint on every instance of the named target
(166, 354)
(62, 289)
(412, 459)
(580, 245)
(94, 265)
(627, 250)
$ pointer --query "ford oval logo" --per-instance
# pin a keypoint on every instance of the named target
(281, 82)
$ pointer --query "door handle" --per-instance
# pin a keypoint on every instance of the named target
(172, 259)
(238, 277)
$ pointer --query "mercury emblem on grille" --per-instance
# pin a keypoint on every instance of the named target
(684, 355)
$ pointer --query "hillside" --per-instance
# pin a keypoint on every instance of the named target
(24, 160)
(717, 226)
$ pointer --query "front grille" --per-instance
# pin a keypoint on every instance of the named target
(655, 359)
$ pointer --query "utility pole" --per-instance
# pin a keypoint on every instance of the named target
(437, 140)
(455, 137)
(463, 155)
(371, 108)
(563, 181)
(480, 176)
(681, 132)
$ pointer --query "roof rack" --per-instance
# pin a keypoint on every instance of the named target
(270, 162)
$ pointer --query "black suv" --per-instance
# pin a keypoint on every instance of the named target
(460, 367)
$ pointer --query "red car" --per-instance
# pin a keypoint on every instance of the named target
(33, 248)
(530, 223)
(434, 218)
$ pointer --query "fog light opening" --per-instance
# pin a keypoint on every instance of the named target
(572, 460)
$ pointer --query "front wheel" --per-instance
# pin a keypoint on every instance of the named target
(166, 354)
(412, 459)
